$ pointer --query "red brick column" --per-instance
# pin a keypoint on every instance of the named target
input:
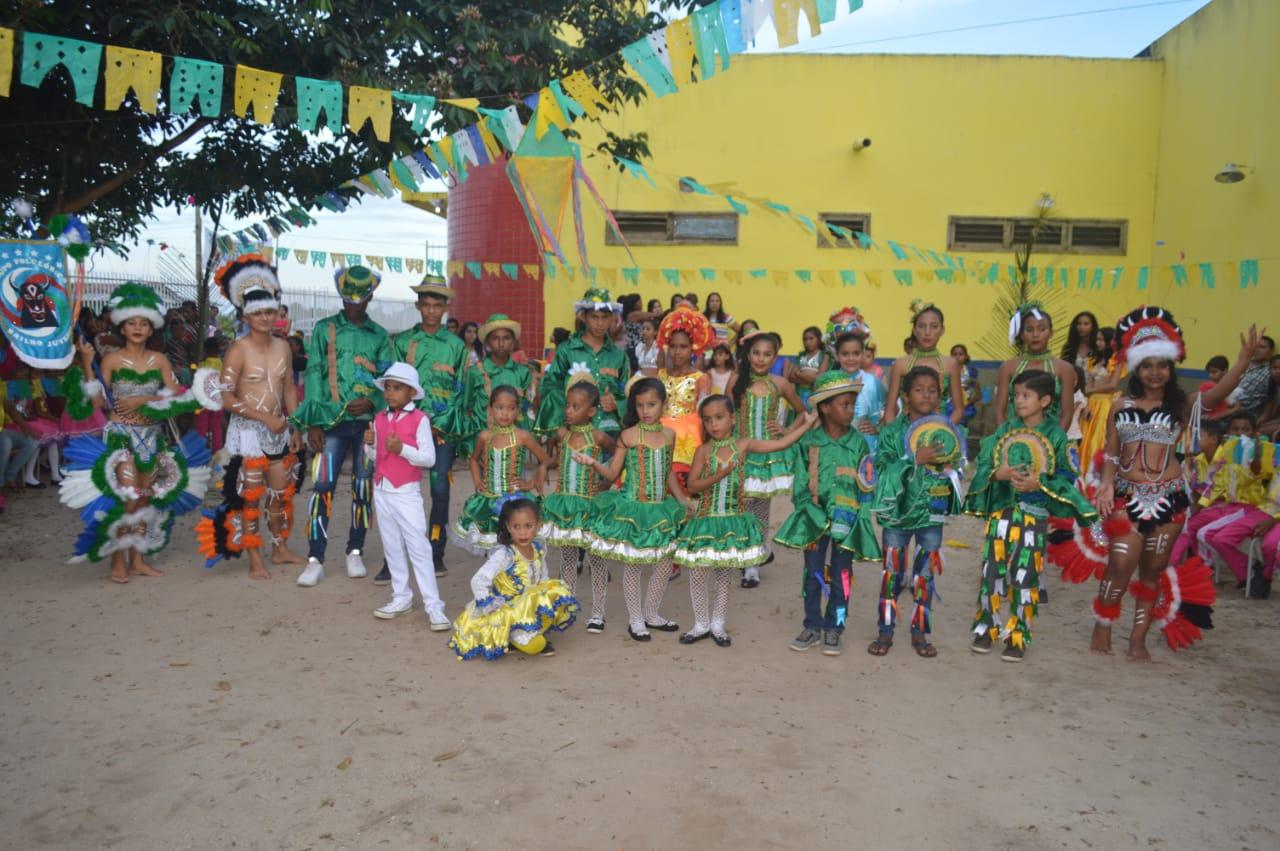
(488, 225)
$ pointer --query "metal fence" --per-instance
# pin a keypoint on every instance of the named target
(306, 307)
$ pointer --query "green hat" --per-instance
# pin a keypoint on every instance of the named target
(356, 284)
(497, 322)
(597, 298)
(436, 285)
(831, 384)
(133, 299)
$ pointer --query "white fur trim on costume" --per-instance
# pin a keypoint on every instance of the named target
(1157, 348)
(120, 315)
(207, 387)
(754, 488)
(91, 389)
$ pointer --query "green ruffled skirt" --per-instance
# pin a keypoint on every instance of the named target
(476, 529)
(566, 520)
(634, 532)
(850, 531)
(723, 541)
(766, 475)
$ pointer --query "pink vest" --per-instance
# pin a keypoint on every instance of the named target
(391, 467)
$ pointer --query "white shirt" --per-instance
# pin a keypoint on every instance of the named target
(422, 455)
(647, 356)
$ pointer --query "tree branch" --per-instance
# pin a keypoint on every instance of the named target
(100, 190)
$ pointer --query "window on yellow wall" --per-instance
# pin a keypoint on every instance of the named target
(671, 228)
(1056, 236)
(845, 225)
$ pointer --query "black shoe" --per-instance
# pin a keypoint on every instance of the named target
(1011, 653)
(638, 636)
(1044, 594)
(981, 644)
(721, 639)
(441, 570)
(547, 650)
(694, 637)
(665, 626)
(384, 576)
(595, 626)
(1260, 589)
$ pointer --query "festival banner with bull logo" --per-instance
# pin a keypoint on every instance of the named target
(35, 308)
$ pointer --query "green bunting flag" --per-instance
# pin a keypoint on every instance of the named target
(316, 95)
(42, 53)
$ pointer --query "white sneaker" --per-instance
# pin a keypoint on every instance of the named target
(313, 573)
(439, 623)
(390, 610)
(355, 565)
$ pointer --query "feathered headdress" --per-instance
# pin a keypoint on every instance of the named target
(1149, 332)
(133, 299)
(249, 282)
(846, 320)
(1025, 311)
(691, 322)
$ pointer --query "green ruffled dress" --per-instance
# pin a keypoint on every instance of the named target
(766, 474)
(639, 523)
(722, 534)
(845, 484)
(908, 496)
(566, 514)
(476, 529)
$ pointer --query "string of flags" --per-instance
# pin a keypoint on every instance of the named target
(682, 53)
(1244, 273)
(323, 259)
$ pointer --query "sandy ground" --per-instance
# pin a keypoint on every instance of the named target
(204, 710)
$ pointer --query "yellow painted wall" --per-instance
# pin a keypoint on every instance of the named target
(1135, 139)
(951, 135)
(1221, 103)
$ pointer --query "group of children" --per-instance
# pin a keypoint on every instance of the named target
(696, 468)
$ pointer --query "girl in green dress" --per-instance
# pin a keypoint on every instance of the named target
(1030, 332)
(722, 536)
(759, 396)
(927, 327)
(637, 525)
(497, 469)
(566, 514)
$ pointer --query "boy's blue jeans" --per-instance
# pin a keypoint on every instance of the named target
(893, 580)
(834, 579)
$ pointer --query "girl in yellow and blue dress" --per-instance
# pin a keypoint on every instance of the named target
(637, 525)
(566, 514)
(497, 468)
(759, 397)
(721, 536)
(516, 603)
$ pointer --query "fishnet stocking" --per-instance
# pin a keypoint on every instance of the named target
(599, 578)
(657, 587)
(720, 609)
(698, 591)
(631, 593)
(569, 568)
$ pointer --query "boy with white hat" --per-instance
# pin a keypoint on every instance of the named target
(403, 447)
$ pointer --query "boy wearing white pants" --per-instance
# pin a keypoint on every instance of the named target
(403, 448)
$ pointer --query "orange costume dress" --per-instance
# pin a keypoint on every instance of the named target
(681, 415)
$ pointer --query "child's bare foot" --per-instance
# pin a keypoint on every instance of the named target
(1101, 643)
(119, 573)
(138, 567)
(1138, 651)
(283, 555)
(257, 570)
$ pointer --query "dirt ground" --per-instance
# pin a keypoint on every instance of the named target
(204, 710)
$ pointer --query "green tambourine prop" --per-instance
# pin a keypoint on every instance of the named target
(939, 432)
(1026, 449)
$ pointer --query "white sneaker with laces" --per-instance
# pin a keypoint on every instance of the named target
(439, 623)
(313, 573)
(390, 610)
(355, 565)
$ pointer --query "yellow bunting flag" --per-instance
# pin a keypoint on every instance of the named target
(549, 112)
(608, 275)
(469, 104)
(373, 260)
(259, 89)
(579, 87)
(733, 276)
(365, 104)
(131, 69)
(650, 276)
(300, 254)
(874, 277)
(780, 277)
(454, 267)
(925, 274)
(413, 264)
(680, 50)
(532, 270)
(490, 142)
(827, 279)
(491, 270)
(6, 61)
